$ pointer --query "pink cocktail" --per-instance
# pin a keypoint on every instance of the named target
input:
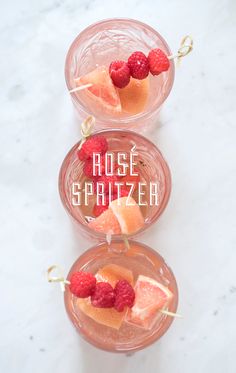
(93, 50)
(121, 331)
(152, 171)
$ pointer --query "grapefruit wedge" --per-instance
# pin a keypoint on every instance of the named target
(122, 216)
(112, 273)
(102, 91)
(128, 214)
(150, 296)
(106, 223)
(134, 96)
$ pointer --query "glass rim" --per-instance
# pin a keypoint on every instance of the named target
(102, 236)
(144, 115)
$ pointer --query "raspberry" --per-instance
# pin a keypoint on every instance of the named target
(119, 73)
(99, 209)
(106, 180)
(82, 284)
(81, 154)
(138, 65)
(94, 144)
(158, 61)
(88, 167)
(123, 193)
(103, 296)
(124, 295)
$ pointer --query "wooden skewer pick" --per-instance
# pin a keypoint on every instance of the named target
(59, 278)
(80, 88)
(186, 46)
(172, 314)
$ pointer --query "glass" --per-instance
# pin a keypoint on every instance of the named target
(115, 39)
(141, 260)
(152, 167)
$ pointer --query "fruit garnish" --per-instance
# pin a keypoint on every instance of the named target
(131, 179)
(106, 181)
(150, 297)
(82, 155)
(109, 185)
(123, 193)
(94, 144)
(124, 295)
(103, 295)
(122, 216)
(101, 205)
(158, 61)
(106, 223)
(119, 73)
(112, 273)
(102, 90)
(138, 65)
(99, 208)
(102, 169)
(82, 284)
(104, 316)
(134, 96)
(88, 169)
(128, 214)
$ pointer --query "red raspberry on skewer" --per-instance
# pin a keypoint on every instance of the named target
(125, 295)
(82, 284)
(99, 209)
(106, 180)
(123, 193)
(119, 73)
(88, 167)
(103, 296)
(158, 61)
(138, 65)
(94, 144)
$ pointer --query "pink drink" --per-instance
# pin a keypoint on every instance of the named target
(115, 39)
(151, 167)
(141, 260)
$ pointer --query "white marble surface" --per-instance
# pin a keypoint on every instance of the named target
(196, 234)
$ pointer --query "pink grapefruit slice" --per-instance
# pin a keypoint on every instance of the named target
(150, 297)
(102, 91)
(122, 216)
(112, 273)
(128, 214)
(134, 96)
(106, 223)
